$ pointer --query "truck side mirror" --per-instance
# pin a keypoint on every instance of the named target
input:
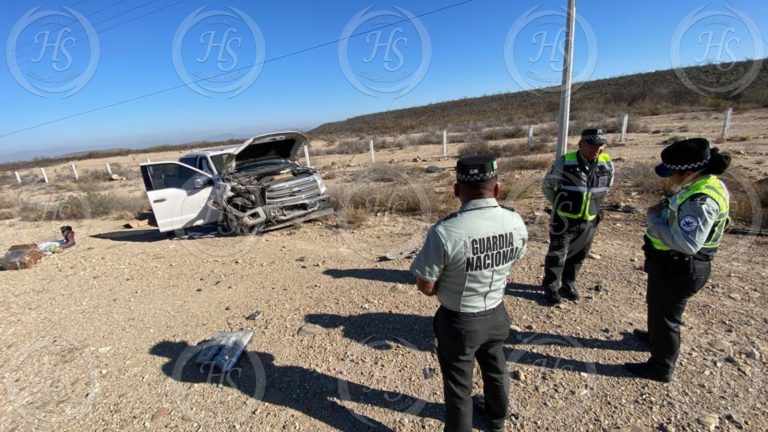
(202, 182)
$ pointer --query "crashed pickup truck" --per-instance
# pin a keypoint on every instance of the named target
(246, 189)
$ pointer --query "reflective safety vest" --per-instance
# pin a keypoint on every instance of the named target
(710, 186)
(580, 193)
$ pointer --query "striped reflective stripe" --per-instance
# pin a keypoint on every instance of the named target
(583, 189)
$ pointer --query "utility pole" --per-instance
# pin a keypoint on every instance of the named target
(565, 92)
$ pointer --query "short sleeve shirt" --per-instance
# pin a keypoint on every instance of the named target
(469, 255)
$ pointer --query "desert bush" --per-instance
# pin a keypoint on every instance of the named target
(83, 206)
(511, 165)
(504, 133)
(641, 177)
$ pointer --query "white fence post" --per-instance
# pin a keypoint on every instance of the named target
(530, 134)
(373, 154)
(149, 161)
(445, 143)
(306, 155)
(727, 123)
(74, 171)
(18, 177)
(624, 123)
(109, 169)
(45, 176)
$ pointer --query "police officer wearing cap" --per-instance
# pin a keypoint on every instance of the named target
(575, 186)
(684, 232)
(465, 262)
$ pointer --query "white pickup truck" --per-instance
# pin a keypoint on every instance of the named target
(246, 189)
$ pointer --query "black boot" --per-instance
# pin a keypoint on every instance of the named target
(552, 296)
(569, 292)
(645, 370)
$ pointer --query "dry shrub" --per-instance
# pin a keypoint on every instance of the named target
(483, 148)
(510, 165)
(641, 177)
(83, 206)
(744, 202)
(504, 133)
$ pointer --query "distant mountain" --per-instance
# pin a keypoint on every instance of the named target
(642, 94)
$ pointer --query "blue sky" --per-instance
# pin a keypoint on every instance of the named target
(478, 48)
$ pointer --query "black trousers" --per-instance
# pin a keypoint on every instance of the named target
(462, 338)
(569, 243)
(672, 280)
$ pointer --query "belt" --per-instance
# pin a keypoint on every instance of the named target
(445, 310)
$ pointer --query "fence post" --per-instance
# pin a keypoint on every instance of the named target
(45, 176)
(530, 134)
(445, 143)
(306, 155)
(624, 123)
(18, 177)
(74, 171)
(727, 123)
(373, 154)
(149, 161)
(109, 169)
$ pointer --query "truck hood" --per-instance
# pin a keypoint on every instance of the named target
(274, 146)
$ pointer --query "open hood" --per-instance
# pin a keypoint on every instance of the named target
(279, 145)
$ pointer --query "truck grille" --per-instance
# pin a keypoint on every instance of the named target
(293, 191)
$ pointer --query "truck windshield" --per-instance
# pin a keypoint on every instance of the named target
(220, 162)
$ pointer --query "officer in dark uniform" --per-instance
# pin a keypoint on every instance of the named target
(575, 186)
(465, 261)
(684, 232)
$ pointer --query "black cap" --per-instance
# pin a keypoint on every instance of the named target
(594, 136)
(686, 155)
(476, 169)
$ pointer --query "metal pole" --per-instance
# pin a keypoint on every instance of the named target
(445, 143)
(306, 155)
(530, 135)
(727, 123)
(373, 155)
(565, 92)
(45, 176)
(18, 177)
(624, 123)
(74, 170)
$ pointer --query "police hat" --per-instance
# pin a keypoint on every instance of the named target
(686, 155)
(476, 169)
(594, 136)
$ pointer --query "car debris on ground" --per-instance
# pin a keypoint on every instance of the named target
(224, 350)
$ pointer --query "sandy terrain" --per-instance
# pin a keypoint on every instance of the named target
(102, 337)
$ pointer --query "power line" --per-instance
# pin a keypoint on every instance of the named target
(104, 30)
(92, 14)
(291, 54)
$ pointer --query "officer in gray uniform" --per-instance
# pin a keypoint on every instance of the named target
(465, 261)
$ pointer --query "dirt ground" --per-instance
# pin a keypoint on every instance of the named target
(103, 336)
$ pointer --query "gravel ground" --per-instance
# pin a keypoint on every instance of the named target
(103, 337)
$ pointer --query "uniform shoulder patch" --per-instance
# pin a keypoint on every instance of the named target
(450, 216)
(689, 223)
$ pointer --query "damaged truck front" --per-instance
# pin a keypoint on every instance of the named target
(246, 189)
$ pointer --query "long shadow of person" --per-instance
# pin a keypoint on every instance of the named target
(516, 354)
(311, 393)
(628, 342)
(411, 331)
(533, 293)
(372, 274)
